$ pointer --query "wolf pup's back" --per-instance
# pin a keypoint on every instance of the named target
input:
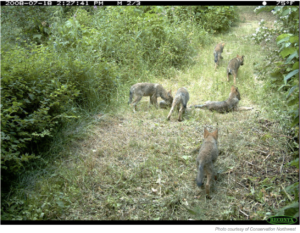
(233, 66)
(223, 106)
(208, 154)
(154, 90)
(180, 101)
(218, 53)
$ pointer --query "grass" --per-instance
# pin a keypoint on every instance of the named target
(139, 166)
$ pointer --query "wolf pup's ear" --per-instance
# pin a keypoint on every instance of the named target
(215, 134)
(237, 55)
(206, 133)
(232, 88)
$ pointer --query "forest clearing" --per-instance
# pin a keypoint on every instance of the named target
(116, 164)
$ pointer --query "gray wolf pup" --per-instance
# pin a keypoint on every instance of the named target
(153, 90)
(218, 53)
(208, 154)
(180, 100)
(233, 66)
(223, 106)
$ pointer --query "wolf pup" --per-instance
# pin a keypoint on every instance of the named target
(223, 106)
(180, 100)
(153, 90)
(208, 154)
(233, 66)
(218, 52)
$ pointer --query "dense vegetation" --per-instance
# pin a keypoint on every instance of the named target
(281, 71)
(62, 60)
(62, 65)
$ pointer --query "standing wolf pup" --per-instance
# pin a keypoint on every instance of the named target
(233, 66)
(218, 53)
(223, 106)
(180, 100)
(208, 154)
(153, 90)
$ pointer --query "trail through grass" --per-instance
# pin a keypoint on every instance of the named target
(139, 166)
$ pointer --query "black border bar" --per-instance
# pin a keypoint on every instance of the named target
(147, 3)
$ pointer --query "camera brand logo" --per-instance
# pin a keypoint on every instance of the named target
(281, 220)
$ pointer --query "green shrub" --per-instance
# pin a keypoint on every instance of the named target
(211, 18)
(217, 18)
(139, 38)
(29, 23)
(32, 103)
(282, 68)
(282, 72)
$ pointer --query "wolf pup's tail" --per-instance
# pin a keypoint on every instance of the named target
(130, 97)
(216, 57)
(200, 175)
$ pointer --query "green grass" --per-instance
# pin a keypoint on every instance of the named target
(138, 166)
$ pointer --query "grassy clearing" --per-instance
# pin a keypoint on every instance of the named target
(142, 167)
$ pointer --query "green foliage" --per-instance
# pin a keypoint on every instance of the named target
(217, 18)
(29, 206)
(147, 38)
(292, 208)
(211, 18)
(137, 38)
(32, 103)
(289, 46)
(286, 71)
(29, 23)
(266, 34)
(283, 64)
(289, 52)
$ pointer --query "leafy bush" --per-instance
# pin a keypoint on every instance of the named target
(217, 18)
(267, 34)
(29, 23)
(135, 37)
(32, 103)
(39, 92)
(283, 67)
(211, 18)
(285, 58)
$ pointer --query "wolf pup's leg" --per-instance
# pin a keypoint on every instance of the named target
(135, 102)
(130, 97)
(170, 113)
(153, 99)
(200, 175)
(210, 176)
(216, 60)
(181, 110)
(234, 76)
